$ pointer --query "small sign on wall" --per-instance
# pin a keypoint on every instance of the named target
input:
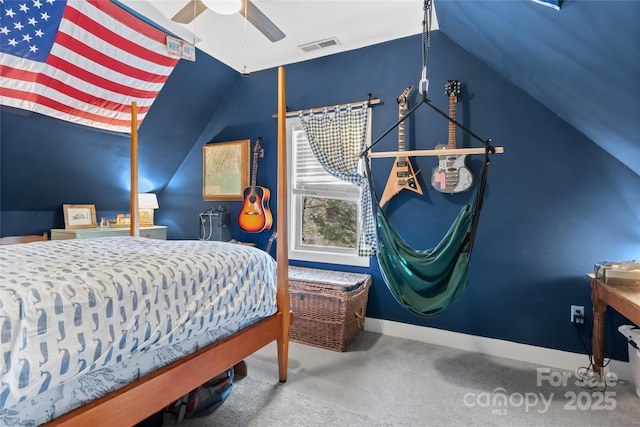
(181, 48)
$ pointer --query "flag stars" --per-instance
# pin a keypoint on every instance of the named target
(24, 27)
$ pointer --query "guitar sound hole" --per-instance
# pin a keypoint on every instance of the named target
(252, 199)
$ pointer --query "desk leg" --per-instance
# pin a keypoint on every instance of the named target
(599, 310)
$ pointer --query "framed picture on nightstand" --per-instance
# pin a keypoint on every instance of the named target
(79, 216)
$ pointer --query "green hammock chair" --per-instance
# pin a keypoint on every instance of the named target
(426, 282)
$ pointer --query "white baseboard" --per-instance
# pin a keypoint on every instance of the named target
(491, 346)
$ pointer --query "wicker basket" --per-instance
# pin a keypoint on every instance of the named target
(328, 306)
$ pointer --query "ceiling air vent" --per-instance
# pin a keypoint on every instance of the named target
(320, 44)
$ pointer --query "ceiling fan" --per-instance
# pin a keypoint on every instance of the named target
(251, 13)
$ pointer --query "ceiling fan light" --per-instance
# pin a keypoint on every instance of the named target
(224, 7)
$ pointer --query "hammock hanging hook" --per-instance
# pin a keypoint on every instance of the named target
(423, 86)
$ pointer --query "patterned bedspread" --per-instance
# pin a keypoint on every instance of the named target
(72, 307)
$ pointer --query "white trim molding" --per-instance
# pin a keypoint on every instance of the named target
(494, 347)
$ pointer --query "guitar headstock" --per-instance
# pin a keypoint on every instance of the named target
(452, 88)
(404, 96)
(257, 148)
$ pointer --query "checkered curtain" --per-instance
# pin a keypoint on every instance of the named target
(335, 139)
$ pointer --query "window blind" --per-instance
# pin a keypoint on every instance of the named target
(309, 177)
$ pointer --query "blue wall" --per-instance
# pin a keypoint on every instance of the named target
(543, 51)
(556, 202)
(46, 163)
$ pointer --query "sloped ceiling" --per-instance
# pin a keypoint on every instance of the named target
(582, 61)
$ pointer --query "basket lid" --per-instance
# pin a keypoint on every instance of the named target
(337, 280)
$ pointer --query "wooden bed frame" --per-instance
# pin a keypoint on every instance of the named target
(141, 399)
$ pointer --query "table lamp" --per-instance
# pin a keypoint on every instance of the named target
(147, 202)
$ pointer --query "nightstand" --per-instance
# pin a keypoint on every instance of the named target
(155, 232)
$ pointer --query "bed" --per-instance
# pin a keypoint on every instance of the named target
(109, 331)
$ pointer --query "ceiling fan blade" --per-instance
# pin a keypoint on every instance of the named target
(254, 15)
(187, 13)
(260, 21)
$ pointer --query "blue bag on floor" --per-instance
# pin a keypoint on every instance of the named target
(204, 399)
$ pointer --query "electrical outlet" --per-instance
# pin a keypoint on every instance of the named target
(577, 314)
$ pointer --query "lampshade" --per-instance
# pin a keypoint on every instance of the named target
(147, 201)
(224, 7)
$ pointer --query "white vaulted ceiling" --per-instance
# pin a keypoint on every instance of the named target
(355, 23)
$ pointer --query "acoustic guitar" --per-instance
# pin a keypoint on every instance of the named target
(402, 175)
(451, 175)
(255, 215)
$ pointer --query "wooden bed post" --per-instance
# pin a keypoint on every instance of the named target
(134, 227)
(282, 256)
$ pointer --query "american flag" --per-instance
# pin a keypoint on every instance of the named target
(80, 61)
(440, 180)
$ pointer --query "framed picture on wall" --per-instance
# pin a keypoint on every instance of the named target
(225, 170)
(79, 216)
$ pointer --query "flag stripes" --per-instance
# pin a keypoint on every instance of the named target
(102, 58)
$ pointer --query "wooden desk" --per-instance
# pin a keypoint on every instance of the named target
(623, 298)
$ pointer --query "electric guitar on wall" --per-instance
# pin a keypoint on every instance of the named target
(451, 175)
(255, 215)
(402, 175)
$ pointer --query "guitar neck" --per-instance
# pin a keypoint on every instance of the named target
(451, 142)
(254, 171)
(402, 109)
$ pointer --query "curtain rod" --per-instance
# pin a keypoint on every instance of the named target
(371, 101)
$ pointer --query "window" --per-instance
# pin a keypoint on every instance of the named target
(324, 217)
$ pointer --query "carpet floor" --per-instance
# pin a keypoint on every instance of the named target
(388, 381)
